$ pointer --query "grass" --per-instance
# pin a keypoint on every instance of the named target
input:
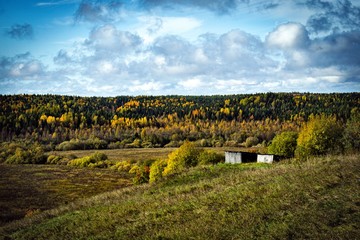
(135, 154)
(115, 155)
(29, 189)
(316, 199)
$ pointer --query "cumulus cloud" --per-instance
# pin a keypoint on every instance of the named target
(20, 66)
(193, 83)
(21, 31)
(288, 36)
(108, 38)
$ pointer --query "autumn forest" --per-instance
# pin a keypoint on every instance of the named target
(71, 122)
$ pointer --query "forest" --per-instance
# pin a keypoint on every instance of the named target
(73, 122)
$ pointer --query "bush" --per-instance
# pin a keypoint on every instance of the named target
(210, 157)
(95, 160)
(156, 170)
(76, 144)
(59, 160)
(320, 135)
(185, 156)
(135, 144)
(101, 164)
(123, 166)
(173, 144)
(251, 141)
(32, 154)
(284, 144)
(352, 133)
(116, 145)
(141, 172)
(69, 145)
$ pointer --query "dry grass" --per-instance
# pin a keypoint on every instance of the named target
(317, 199)
(115, 155)
(29, 189)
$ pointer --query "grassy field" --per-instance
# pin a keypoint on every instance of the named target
(316, 199)
(136, 154)
(132, 154)
(28, 189)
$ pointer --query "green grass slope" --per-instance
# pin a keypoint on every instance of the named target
(317, 199)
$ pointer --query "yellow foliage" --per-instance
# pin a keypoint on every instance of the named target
(185, 156)
(320, 135)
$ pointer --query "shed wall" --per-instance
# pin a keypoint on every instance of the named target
(265, 158)
(233, 157)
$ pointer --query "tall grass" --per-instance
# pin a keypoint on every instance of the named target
(316, 199)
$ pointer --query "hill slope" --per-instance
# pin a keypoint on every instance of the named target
(317, 199)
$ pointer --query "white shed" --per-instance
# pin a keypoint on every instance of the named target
(265, 158)
(233, 157)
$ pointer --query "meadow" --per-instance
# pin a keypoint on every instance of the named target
(313, 199)
(32, 188)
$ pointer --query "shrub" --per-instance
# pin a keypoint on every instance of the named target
(135, 144)
(123, 166)
(69, 145)
(251, 141)
(53, 159)
(284, 144)
(210, 157)
(156, 170)
(141, 174)
(173, 144)
(185, 156)
(101, 164)
(76, 144)
(352, 133)
(231, 143)
(320, 135)
(94, 160)
(116, 145)
(32, 154)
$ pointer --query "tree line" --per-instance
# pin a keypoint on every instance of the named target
(73, 122)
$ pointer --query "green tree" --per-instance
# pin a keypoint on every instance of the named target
(320, 135)
(210, 157)
(284, 144)
(352, 132)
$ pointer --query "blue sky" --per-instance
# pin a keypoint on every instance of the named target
(185, 47)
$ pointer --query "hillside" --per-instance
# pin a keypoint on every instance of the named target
(316, 199)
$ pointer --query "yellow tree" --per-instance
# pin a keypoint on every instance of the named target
(320, 135)
(185, 156)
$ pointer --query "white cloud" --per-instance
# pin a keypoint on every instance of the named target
(105, 67)
(193, 83)
(140, 87)
(109, 60)
(108, 38)
(288, 36)
(20, 66)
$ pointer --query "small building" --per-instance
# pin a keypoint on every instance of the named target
(246, 157)
(265, 158)
(240, 157)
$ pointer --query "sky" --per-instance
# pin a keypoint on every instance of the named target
(178, 47)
